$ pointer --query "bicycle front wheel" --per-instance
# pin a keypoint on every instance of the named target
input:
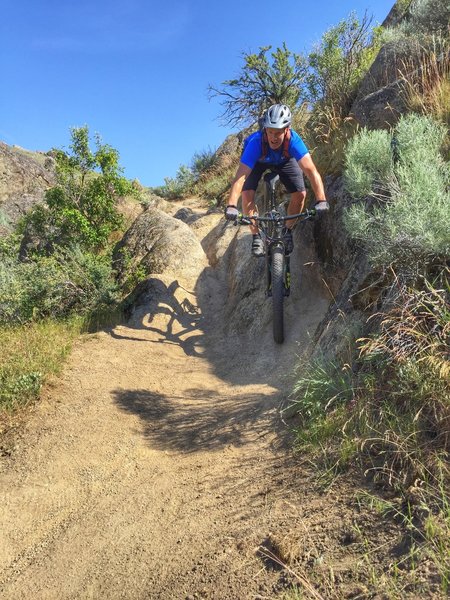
(278, 294)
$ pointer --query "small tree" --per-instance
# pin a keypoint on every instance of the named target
(339, 62)
(261, 83)
(81, 208)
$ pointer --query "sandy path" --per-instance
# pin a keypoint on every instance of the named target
(154, 468)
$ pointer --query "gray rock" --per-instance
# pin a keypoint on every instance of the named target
(380, 101)
(381, 109)
(187, 215)
(160, 243)
(24, 178)
(397, 13)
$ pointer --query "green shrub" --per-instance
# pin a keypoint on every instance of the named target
(419, 138)
(178, 187)
(340, 61)
(202, 162)
(54, 286)
(82, 208)
(337, 67)
(369, 164)
(409, 228)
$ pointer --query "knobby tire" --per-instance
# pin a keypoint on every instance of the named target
(278, 294)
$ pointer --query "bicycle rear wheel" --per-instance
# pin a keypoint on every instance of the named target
(278, 294)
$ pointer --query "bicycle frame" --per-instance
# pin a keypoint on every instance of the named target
(278, 270)
(271, 228)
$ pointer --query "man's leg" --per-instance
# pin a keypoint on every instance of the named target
(249, 208)
(296, 204)
(292, 177)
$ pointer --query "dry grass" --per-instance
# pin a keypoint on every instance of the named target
(214, 184)
(273, 555)
(327, 134)
(427, 88)
(29, 354)
(395, 421)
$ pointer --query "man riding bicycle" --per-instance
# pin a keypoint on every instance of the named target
(279, 148)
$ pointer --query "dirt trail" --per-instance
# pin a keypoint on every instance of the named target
(157, 465)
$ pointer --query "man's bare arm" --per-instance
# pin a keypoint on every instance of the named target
(309, 168)
(238, 183)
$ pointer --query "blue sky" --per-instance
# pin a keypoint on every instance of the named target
(137, 71)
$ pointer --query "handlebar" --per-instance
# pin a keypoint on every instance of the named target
(247, 219)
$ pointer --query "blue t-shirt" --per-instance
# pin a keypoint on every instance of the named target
(253, 150)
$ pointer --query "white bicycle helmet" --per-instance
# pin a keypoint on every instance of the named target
(278, 116)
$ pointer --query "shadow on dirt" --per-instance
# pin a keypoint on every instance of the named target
(180, 321)
(227, 318)
(200, 420)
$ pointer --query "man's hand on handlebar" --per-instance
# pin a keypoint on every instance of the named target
(321, 207)
(231, 213)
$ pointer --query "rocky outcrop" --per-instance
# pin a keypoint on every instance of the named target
(230, 148)
(383, 94)
(380, 101)
(159, 244)
(227, 153)
(346, 274)
(24, 178)
(397, 13)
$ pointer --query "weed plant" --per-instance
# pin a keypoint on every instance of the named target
(215, 183)
(207, 177)
(203, 161)
(179, 186)
(405, 224)
(337, 66)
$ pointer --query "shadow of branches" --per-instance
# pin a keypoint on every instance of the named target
(199, 420)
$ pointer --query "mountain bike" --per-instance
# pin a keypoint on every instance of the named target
(278, 270)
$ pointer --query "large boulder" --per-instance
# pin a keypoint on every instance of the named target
(159, 243)
(24, 178)
(334, 248)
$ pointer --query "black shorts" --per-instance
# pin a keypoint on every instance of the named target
(291, 175)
